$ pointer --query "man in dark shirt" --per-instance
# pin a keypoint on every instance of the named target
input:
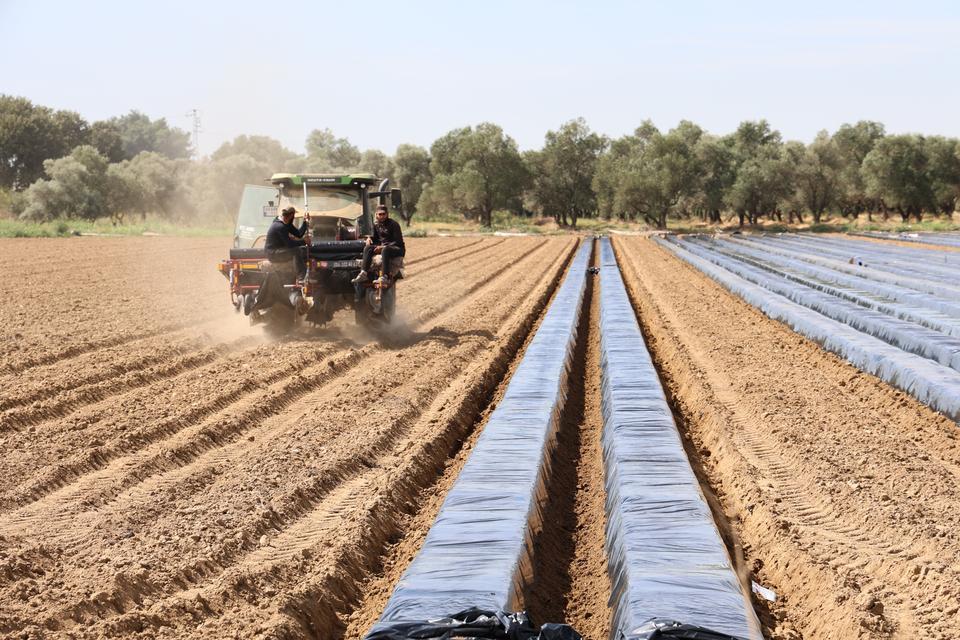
(284, 241)
(387, 240)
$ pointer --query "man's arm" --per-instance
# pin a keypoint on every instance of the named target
(396, 235)
(295, 232)
(294, 235)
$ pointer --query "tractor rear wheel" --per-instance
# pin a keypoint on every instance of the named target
(361, 312)
(388, 304)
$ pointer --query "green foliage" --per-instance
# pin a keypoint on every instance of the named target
(854, 142)
(376, 162)
(29, 229)
(262, 149)
(818, 174)
(138, 133)
(31, 134)
(763, 176)
(715, 157)
(476, 170)
(897, 171)
(149, 183)
(54, 165)
(150, 226)
(216, 186)
(563, 172)
(411, 171)
(326, 152)
(105, 136)
(9, 205)
(943, 171)
(647, 175)
(77, 188)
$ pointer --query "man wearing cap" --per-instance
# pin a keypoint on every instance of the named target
(284, 241)
(387, 240)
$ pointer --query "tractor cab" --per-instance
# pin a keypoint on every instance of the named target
(339, 206)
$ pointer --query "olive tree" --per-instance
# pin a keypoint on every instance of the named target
(853, 143)
(896, 171)
(716, 167)
(149, 183)
(376, 162)
(138, 133)
(77, 188)
(32, 134)
(818, 175)
(758, 162)
(562, 172)
(943, 172)
(648, 174)
(262, 149)
(411, 171)
(476, 170)
(327, 152)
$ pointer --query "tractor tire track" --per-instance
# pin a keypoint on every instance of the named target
(319, 603)
(53, 407)
(198, 439)
(140, 282)
(65, 471)
(437, 341)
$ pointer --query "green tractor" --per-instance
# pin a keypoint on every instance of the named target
(339, 208)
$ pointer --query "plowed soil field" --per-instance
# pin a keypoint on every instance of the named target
(837, 491)
(169, 470)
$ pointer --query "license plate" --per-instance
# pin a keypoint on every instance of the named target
(344, 264)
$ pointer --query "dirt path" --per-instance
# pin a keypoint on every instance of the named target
(843, 491)
(248, 493)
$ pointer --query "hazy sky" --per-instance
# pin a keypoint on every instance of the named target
(385, 73)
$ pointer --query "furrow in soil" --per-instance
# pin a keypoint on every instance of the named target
(840, 489)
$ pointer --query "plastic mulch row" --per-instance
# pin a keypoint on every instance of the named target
(931, 383)
(477, 554)
(666, 557)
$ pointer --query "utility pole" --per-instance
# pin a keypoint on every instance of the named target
(195, 114)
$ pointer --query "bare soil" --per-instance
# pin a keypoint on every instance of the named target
(169, 472)
(232, 486)
(842, 491)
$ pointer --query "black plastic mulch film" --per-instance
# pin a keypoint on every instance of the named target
(667, 561)
(666, 558)
(477, 554)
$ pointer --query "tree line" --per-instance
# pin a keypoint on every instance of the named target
(54, 164)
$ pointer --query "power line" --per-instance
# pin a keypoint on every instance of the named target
(195, 114)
